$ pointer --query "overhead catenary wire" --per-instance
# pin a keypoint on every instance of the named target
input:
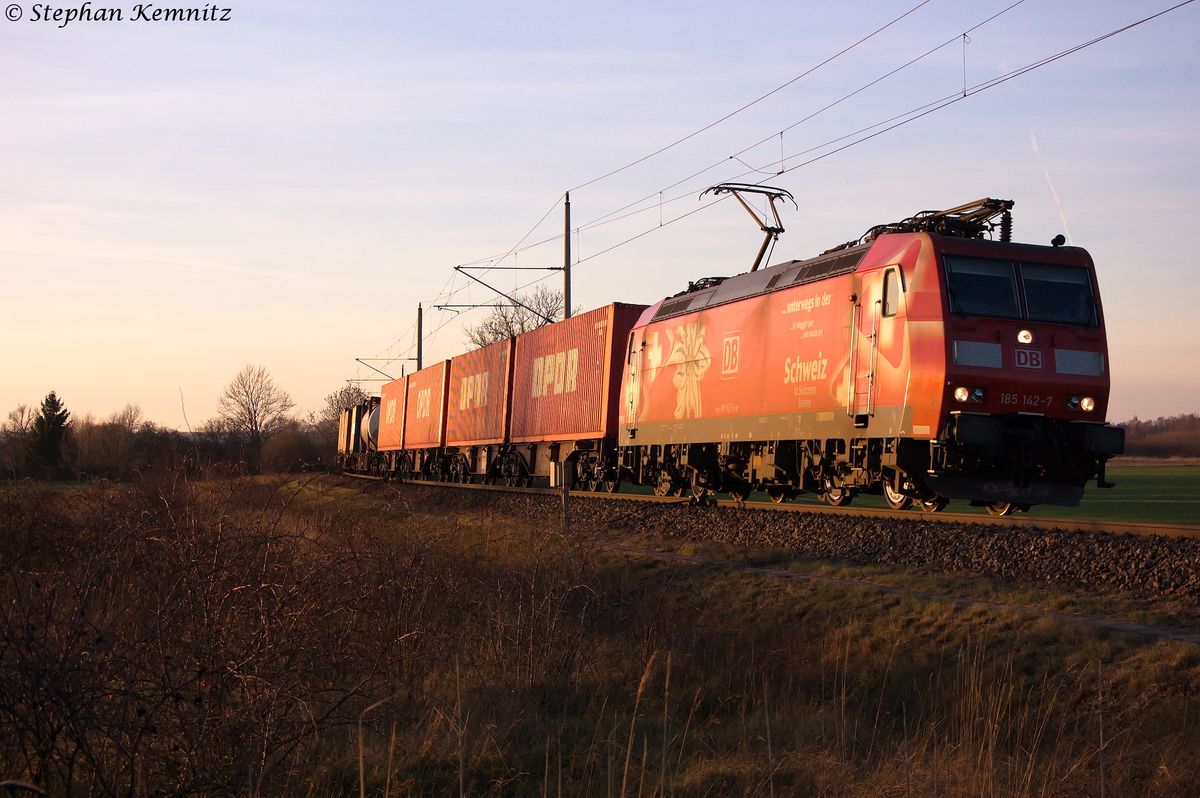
(902, 119)
(709, 126)
(604, 219)
(754, 102)
(878, 129)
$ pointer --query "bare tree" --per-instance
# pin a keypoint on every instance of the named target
(13, 435)
(254, 408)
(323, 424)
(339, 400)
(507, 321)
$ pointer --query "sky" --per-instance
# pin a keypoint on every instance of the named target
(181, 199)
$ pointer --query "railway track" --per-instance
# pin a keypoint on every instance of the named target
(1029, 522)
(1108, 624)
(1141, 563)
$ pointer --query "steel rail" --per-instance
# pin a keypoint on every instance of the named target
(1031, 522)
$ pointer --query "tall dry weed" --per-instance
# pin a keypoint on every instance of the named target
(292, 637)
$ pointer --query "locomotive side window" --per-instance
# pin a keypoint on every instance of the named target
(982, 287)
(891, 292)
(1061, 294)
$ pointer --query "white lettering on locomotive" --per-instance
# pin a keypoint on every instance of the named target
(804, 370)
(806, 305)
(474, 391)
(555, 374)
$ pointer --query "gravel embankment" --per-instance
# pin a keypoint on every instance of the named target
(1095, 561)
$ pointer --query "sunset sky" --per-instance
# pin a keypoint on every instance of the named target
(181, 199)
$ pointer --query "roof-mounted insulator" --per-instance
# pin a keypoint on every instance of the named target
(973, 220)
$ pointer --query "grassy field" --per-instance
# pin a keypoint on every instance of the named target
(1143, 494)
(310, 637)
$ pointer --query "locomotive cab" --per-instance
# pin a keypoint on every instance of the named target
(1027, 381)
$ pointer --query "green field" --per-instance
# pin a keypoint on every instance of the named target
(1144, 494)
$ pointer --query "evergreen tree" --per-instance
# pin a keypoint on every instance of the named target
(44, 454)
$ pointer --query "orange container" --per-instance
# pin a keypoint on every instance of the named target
(425, 407)
(391, 416)
(567, 376)
(480, 392)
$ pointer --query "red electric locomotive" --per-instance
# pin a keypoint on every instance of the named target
(924, 362)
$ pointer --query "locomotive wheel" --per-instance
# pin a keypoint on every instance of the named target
(778, 495)
(667, 485)
(740, 493)
(835, 496)
(934, 505)
(894, 498)
(838, 497)
(1001, 508)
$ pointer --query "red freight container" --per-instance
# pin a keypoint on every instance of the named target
(391, 416)
(567, 376)
(425, 407)
(479, 396)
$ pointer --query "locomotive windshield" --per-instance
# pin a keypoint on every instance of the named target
(1060, 294)
(991, 287)
(982, 287)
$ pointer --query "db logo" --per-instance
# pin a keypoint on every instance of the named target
(1028, 358)
(729, 354)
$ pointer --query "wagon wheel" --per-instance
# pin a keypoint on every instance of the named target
(590, 477)
(894, 498)
(611, 484)
(934, 505)
(513, 471)
(1001, 508)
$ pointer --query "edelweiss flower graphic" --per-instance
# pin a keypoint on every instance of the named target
(691, 360)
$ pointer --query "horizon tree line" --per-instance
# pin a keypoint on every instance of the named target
(253, 430)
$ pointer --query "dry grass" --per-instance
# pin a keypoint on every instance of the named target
(266, 637)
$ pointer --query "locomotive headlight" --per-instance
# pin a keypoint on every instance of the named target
(974, 395)
(1084, 404)
(1025, 337)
